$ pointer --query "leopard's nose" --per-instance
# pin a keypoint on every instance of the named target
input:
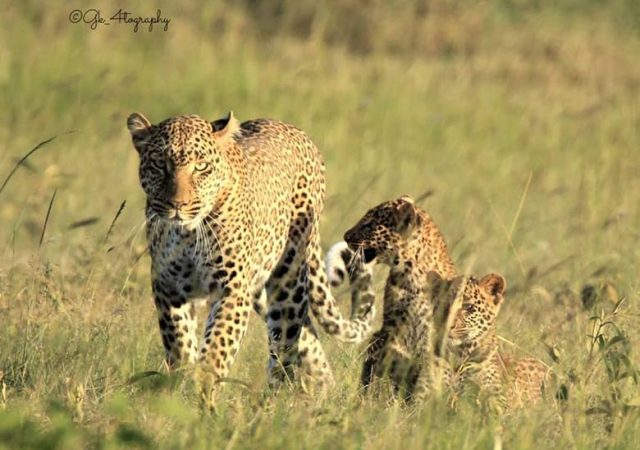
(177, 204)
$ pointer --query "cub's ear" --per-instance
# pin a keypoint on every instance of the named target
(494, 284)
(225, 127)
(408, 218)
(406, 198)
(435, 282)
(138, 125)
(434, 278)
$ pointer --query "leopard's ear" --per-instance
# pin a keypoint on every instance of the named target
(495, 285)
(408, 218)
(226, 127)
(140, 128)
(138, 124)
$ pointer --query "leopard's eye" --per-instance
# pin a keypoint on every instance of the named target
(202, 166)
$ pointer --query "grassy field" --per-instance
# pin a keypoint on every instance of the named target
(520, 119)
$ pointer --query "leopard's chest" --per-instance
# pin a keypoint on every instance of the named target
(408, 318)
(190, 266)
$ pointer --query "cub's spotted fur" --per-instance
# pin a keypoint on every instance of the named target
(438, 327)
(466, 313)
(402, 236)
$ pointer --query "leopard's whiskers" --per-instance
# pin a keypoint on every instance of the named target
(218, 224)
(146, 222)
(357, 258)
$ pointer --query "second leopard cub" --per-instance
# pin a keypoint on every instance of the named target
(465, 324)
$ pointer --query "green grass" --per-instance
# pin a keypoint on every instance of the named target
(521, 117)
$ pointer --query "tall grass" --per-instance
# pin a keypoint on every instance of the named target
(521, 118)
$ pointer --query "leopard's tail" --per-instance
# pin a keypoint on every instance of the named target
(341, 264)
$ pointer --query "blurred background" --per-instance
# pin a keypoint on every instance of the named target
(515, 123)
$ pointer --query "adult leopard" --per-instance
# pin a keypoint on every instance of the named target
(232, 215)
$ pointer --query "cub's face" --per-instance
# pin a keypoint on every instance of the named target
(380, 232)
(182, 164)
(466, 306)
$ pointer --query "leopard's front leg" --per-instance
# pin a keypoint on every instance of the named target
(434, 377)
(372, 367)
(226, 326)
(177, 321)
(491, 396)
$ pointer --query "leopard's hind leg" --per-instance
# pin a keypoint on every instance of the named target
(293, 341)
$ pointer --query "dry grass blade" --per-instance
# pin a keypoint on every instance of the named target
(523, 197)
(84, 223)
(356, 198)
(534, 276)
(618, 305)
(113, 222)
(514, 345)
(26, 165)
(46, 219)
(425, 195)
(25, 157)
(143, 375)
(229, 380)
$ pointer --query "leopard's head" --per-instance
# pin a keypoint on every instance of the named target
(466, 306)
(184, 164)
(383, 229)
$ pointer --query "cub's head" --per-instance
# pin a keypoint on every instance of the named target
(184, 164)
(466, 306)
(383, 229)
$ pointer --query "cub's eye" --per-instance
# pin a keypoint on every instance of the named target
(468, 307)
(202, 166)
